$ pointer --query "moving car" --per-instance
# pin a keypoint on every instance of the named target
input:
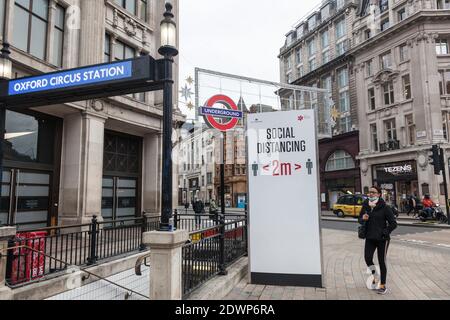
(349, 205)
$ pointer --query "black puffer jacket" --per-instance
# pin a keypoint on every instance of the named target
(381, 220)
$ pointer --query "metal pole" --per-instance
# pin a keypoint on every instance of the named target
(222, 176)
(2, 140)
(166, 189)
(444, 173)
(93, 254)
(222, 268)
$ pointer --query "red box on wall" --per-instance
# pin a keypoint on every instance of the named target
(28, 264)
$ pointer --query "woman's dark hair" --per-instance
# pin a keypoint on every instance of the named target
(377, 188)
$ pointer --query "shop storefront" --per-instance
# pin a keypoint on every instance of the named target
(397, 180)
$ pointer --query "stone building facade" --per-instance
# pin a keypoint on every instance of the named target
(399, 76)
(65, 163)
(402, 66)
(316, 54)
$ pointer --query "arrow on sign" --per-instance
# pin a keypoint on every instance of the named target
(298, 167)
(266, 168)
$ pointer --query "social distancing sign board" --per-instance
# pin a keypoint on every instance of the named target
(284, 206)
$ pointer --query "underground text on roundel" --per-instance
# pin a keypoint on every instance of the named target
(71, 78)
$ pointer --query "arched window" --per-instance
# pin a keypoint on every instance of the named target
(340, 160)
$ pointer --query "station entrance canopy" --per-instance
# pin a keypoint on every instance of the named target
(90, 82)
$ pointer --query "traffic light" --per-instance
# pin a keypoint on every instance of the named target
(436, 160)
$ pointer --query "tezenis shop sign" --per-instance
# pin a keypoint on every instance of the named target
(406, 169)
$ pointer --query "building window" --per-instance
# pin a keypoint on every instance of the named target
(441, 46)
(345, 124)
(342, 78)
(372, 102)
(406, 87)
(325, 56)
(384, 5)
(443, 4)
(385, 60)
(340, 160)
(445, 125)
(369, 68)
(374, 137)
(341, 48)
(143, 8)
(58, 36)
(444, 82)
(390, 130)
(340, 29)
(401, 14)
(209, 178)
(312, 64)
(129, 5)
(324, 40)
(287, 64)
(2, 16)
(107, 55)
(300, 71)
(30, 26)
(367, 34)
(340, 4)
(298, 56)
(404, 53)
(411, 129)
(344, 104)
(311, 48)
(388, 91)
(384, 24)
(289, 78)
(312, 22)
(123, 51)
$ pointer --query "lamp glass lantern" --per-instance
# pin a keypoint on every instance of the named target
(168, 33)
(5, 63)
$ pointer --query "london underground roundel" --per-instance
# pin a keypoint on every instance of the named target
(230, 113)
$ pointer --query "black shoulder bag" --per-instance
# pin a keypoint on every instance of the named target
(362, 230)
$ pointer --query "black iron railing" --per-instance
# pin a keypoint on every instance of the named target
(211, 250)
(77, 245)
(216, 242)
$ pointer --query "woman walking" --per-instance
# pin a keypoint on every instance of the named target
(380, 222)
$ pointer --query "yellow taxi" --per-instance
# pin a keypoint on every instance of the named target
(349, 205)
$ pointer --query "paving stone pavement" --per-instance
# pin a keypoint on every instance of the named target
(416, 271)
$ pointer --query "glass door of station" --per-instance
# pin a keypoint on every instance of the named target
(25, 200)
(119, 198)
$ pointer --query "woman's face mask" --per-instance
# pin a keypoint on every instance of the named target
(372, 199)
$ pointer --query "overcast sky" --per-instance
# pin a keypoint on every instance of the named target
(240, 37)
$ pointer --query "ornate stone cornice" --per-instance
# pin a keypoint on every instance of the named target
(384, 76)
(428, 37)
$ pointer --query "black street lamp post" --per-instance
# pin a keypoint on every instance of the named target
(168, 50)
(5, 75)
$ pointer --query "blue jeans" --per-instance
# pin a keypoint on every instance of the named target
(429, 212)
